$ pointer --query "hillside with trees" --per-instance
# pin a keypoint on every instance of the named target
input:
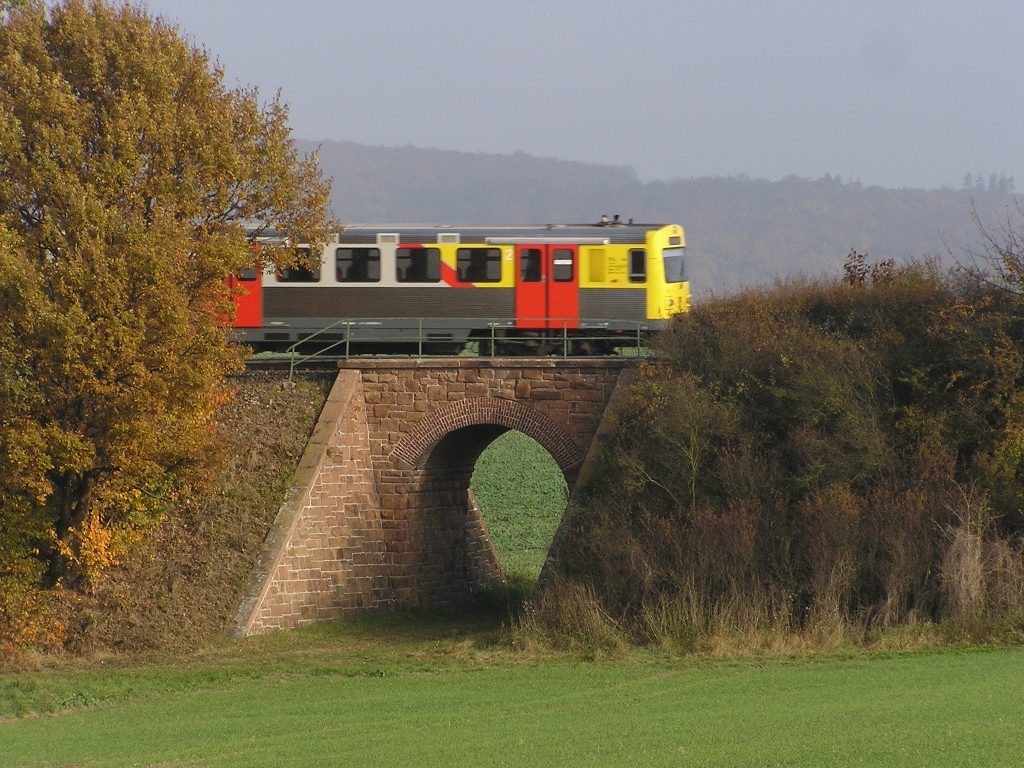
(740, 231)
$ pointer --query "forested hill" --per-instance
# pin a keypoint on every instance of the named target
(739, 231)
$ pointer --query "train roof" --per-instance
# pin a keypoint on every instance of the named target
(611, 232)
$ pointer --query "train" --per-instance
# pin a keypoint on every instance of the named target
(543, 289)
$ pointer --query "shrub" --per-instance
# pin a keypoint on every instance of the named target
(823, 454)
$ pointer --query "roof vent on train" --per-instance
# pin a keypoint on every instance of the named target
(448, 238)
(387, 238)
(613, 222)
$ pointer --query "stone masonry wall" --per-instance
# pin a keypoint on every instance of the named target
(429, 420)
(380, 514)
(325, 556)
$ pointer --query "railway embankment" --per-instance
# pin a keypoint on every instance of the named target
(180, 587)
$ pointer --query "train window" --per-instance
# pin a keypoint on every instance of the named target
(357, 265)
(479, 265)
(297, 274)
(675, 271)
(530, 260)
(637, 265)
(597, 265)
(246, 275)
(418, 265)
(564, 268)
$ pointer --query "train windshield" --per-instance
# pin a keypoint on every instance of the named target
(675, 270)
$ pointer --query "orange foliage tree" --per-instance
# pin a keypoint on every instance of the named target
(131, 181)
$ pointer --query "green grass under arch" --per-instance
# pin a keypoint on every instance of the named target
(522, 495)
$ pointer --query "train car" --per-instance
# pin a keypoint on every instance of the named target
(522, 289)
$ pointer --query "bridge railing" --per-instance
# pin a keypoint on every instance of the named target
(427, 337)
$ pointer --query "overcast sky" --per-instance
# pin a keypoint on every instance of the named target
(895, 93)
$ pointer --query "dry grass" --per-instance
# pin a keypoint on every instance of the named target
(570, 618)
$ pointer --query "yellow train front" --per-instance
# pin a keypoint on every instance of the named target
(573, 289)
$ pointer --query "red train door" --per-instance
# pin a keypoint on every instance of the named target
(547, 286)
(531, 286)
(564, 286)
(248, 300)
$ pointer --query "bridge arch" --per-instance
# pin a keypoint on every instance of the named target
(418, 445)
(380, 513)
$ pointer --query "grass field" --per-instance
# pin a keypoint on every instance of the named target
(409, 691)
(522, 496)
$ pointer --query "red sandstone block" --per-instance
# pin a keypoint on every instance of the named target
(392, 501)
(476, 390)
(381, 411)
(537, 393)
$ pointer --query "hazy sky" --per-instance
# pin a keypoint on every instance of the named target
(896, 93)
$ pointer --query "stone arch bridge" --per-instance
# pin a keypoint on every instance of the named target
(380, 514)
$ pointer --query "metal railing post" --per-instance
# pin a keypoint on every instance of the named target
(419, 338)
(492, 339)
(565, 337)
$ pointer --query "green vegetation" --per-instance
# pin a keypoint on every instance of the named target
(415, 690)
(521, 494)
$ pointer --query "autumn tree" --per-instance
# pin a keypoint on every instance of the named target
(132, 182)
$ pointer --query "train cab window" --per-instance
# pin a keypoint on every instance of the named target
(479, 265)
(418, 265)
(297, 274)
(675, 269)
(638, 265)
(357, 265)
(564, 268)
(530, 260)
(246, 275)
